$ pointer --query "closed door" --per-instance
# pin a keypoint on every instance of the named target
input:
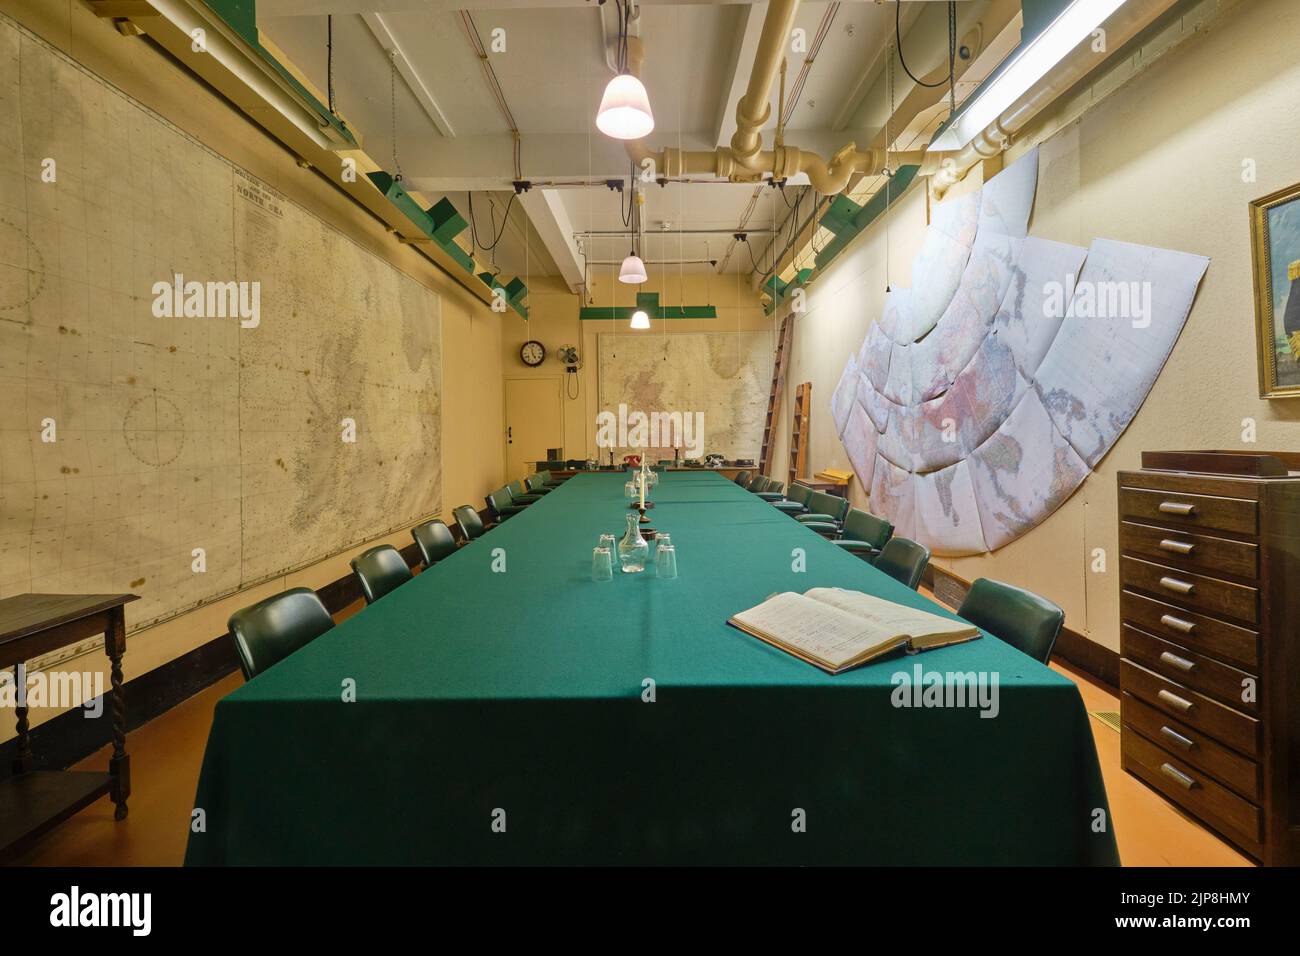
(534, 422)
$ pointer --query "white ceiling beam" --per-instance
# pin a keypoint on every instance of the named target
(737, 77)
(551, 221)
(410, 76)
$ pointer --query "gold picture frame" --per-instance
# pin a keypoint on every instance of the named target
(1275, 256)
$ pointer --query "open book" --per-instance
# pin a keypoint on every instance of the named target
(837, 629)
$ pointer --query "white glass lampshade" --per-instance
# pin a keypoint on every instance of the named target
(640, 320)
(632, 271)
(625, 109)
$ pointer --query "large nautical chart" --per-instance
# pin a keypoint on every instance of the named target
(202, 386)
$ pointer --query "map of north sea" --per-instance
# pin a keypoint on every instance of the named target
(146, 448)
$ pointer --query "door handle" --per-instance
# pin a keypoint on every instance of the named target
(1182, 663)
(1178, 508)
(1174, 700)
(1185, 742)
(1177, 586)
(1177, 547)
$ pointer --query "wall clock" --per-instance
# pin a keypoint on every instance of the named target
(532, 353)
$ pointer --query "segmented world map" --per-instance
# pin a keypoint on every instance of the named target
(986, 393)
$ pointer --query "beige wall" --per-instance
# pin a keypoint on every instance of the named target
(553, 321)
(1159, 162)
(472, 333)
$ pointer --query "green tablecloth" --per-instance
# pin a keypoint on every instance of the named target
(521, 692)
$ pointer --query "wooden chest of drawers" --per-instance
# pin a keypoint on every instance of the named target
(1209, 638)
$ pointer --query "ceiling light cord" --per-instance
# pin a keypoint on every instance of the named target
(329, 61)
(898, 34)
(392, 101)
(473, 225)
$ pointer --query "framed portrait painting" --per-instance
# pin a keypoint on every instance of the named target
(1275, 251)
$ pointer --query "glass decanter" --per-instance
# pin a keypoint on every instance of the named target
(633, 549)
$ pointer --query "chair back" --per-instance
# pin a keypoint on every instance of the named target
(756, 483)
(434, 540)
(267, 632)
(821, 503)
(798, 493)
(742, 478)
(380, 570)
(864, 526)
(467, 519)
(497, 502)
(1024, 620)
(534, 484)
(904, 560)
(516, 489)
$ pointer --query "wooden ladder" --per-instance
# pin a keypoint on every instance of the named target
(799, 431)
(779, 367)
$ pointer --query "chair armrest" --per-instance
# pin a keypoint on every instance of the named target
(770, 495)
(826, 519)
(792, 508)
(823, 528)
(527, 499)
(863, 549)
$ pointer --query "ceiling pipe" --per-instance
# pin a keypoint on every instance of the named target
(1124, 24)
(744, 160)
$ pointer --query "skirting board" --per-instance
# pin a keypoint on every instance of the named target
(1071, 647)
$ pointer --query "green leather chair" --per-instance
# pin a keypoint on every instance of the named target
(903, 560)
(380, 570)
(1024, 620)
(861, 533)
(434, 540)
(267, 632)
(535, 485)
(470, 524)
(771, 490)
(795, 501)
(756, 482)
(519, 493)
(742, 478)
(825, 508)
(501, 505)
(550, 481)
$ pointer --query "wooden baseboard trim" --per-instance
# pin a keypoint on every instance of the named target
(1095, 660)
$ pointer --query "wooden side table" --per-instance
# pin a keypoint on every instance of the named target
(34, 801)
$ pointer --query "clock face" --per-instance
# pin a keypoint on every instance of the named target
(532, 353)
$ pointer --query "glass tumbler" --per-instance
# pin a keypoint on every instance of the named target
(666, 562)
(602, 564)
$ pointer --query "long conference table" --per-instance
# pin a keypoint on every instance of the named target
(504, 717)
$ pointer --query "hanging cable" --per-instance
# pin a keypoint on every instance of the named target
(329, 60)
(473, 225)
(898, 34)
(392, 100)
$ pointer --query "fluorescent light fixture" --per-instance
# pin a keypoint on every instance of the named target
(1075, 24)
(625, 109)
(632, 271)
(640, 320)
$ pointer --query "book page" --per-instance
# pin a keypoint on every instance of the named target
(813, 628)
(886, 617)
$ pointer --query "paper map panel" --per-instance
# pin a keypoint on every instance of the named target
(1002, 377)
(725, 375)
(188, 456)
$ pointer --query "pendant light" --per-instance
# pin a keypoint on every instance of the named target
(633, 271)
(640, 320)
(625, 108)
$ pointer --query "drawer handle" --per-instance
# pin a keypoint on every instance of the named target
(1177, 623)
(1173, 700)
(1177, 586)
(1176, 737)
(1178, 776)
(1182, 663)
(1177, 547)
(1178, 508)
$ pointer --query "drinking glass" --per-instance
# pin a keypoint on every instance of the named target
(602, 564)
(608, 541)
(666, 562)
(661, 539)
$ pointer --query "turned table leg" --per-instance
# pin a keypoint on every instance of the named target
(119, 765)
(23, 759)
